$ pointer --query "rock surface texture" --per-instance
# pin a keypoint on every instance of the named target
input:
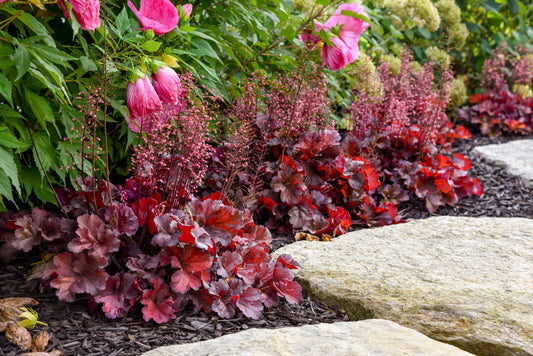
(358, 338)
(464, 281)
(515, 156)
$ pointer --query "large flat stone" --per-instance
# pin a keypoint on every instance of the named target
(515, 156)
(463, 281)
(359, 338)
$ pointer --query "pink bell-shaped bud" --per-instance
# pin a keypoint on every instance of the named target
(167, 85)
(187, 10)
(161, 16)
(87, 13)
(143, 103)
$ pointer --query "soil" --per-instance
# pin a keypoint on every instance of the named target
(75, 332)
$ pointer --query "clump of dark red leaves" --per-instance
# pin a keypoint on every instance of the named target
(497, 110)
(208, 253)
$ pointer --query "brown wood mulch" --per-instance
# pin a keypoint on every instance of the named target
(74, 332)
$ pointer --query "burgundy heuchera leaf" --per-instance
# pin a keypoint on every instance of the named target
(78, 273)
(119, 296)
(94, 235)
(159, 304)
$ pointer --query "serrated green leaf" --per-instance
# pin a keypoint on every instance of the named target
(33, 24)
(52, 54)
(7, 112)
(123, 21)
(32, 184)
(43, 152)
(9, 167)
(203, 48)
(151, 46)
(9, 140)
(88, 64)
(6, 189)
(5, 88)
(40, 107)
(289, 32)
(22, 59)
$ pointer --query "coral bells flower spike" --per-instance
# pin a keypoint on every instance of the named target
(167, 85)
(158, 15)
(142, 102)
(87, 13)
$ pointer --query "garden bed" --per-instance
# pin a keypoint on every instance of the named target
(76, 332)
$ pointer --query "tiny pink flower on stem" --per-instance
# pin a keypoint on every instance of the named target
(143, 103)
(168, 87)
(161, 16)
(87, 13)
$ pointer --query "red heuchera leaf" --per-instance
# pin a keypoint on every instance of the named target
(224, 303)
(339, 221)
(288, 182)
(144, 265)
(248, 273)
(249, 302)
(257, 234)
(476, 98)
(267, 203)
(168, 231)
(126, 221)
(158, 303)
(288, 261)
(325, 143)
(94, 235)
(119, 296)
(144, 211)
(78, 273)
(228, 262)
(26, 236)
(283, 283)
(461, 162)
(221, 221)
(190, 262)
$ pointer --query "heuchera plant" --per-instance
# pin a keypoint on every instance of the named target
(498, 110)
(207, 253)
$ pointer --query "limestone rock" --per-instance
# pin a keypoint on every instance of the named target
(514, 156)
(463, 281)
(357, 338)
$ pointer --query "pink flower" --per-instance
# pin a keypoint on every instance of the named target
(351, 28)
(142, 102)
(187, 9)
(157, 15)
(167, 84)
(336, 56)
(87, 12)
(345, 48)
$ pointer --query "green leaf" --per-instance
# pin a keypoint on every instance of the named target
(123, 21)
(51, 54)
(88, 64)
(32, 183)
(22, 61)
(40, 107)
(513, 6)
(151, 45)
(289, 32)
(410, 34)
(7, 112)
(6, 190)
(204, 49)
(5, 88)
(43, 151)
(9, 140)
(9, 167)
(424, 32)
(187, 28)
(355, 15)
(322, 2)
